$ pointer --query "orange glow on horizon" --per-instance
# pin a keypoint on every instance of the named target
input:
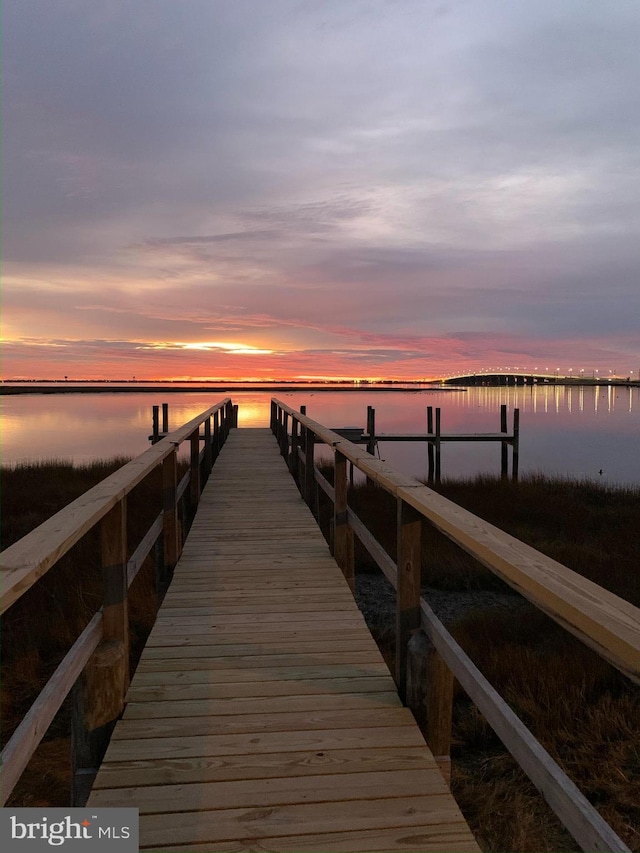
(260, 361)
(224, 379)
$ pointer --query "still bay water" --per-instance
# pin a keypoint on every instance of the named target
(578, 432)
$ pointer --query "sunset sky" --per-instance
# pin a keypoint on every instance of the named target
(319, 188)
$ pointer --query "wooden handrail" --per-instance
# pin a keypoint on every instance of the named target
(106, 638)
(604, 621)
(607, 623)
(32, 556)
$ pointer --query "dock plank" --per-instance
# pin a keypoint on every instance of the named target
(252, 793)
(268, 705)
(408, 812)
(283, 721)
(141, 773)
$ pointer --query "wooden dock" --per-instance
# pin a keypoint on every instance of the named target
(262, 716)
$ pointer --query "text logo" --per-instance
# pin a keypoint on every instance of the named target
(108, 830)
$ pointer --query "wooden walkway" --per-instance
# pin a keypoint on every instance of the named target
(261, 716)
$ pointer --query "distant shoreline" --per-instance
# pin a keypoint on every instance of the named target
(122, 386)
(171, 388)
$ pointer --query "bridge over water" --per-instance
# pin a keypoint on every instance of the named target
(261, 715)
(528, 377)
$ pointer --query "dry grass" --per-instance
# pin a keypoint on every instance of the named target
(590, 528)
(33, 492)
(583, 711)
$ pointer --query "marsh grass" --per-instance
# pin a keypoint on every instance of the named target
(589, 527)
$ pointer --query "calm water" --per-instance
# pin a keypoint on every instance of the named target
(575, 432)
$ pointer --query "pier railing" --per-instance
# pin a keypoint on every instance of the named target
(428, 658)
(96, 667)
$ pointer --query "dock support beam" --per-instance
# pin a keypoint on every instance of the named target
(434, 446)
(155, 424)
(515, 453)
(504, 447)
(409, 530)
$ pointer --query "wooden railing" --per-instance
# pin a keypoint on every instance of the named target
(96, 667)
(428, 658)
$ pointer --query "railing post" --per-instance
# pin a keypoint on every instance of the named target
(160, 571)
(430, 459)
(303, 429)
(97, 700)
(155, 428)
(279, 427)
(295, 444)
(342, 533)
(98, 697)
(516, 445)
(309, 468)
(115, 611)
(438, 445)
(208, 453)
(228, 418)
(430, 685)
(274, 417)
(504, 455)
(216, 434)
(371, 430)
(371, 436)
(194, 484)
(170, 512)
(409, 528)
(284, 435)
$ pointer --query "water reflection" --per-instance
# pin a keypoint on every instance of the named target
(564, 430)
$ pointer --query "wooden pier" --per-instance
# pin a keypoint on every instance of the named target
(261, 716)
